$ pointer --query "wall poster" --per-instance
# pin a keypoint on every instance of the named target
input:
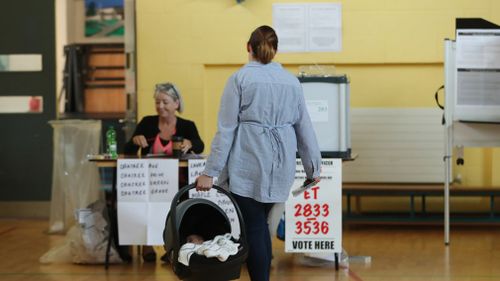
(104, 18)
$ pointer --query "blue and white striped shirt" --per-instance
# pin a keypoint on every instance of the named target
(263, 121)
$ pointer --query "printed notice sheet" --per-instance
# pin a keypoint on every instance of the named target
(145, 189)
(308, 27)
(478, 75)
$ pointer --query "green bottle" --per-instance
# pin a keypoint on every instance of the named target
(111, 148)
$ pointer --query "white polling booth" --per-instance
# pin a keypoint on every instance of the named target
(472, 88)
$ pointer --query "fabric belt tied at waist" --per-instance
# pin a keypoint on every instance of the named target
(274, 137)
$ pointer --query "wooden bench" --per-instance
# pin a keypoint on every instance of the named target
(358, 190)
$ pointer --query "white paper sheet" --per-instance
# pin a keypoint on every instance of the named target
(290, 23)
(195, 168)
(478, 49)
(308, 27)
(157, 216)
(314, 219)
(325, 27)
(145, 190)
(478, 75)
(132, 223)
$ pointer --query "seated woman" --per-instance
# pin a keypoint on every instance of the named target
(154, 133)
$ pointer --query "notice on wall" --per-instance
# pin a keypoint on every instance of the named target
(308, 27)
(314, 218)
(145, 189)
(195, 168)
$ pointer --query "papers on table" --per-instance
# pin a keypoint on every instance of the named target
(145, 189)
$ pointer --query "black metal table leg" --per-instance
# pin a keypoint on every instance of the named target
(336, 261)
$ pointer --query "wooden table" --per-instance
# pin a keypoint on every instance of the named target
(111, 163)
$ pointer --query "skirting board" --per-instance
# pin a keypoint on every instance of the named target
(25, 209)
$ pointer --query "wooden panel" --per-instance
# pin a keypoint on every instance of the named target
(105, 100)
(105, 80)
(106, 73)
(107, 59)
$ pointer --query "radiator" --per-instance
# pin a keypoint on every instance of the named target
(396, 145)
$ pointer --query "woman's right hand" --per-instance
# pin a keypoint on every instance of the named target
(204, 183)
(140, 140)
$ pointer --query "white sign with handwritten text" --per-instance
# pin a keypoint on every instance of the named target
(195, 168)
(145, 189)
(314, 218)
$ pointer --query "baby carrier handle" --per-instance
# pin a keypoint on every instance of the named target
(185, 190)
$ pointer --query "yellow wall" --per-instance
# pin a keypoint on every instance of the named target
(392, 51)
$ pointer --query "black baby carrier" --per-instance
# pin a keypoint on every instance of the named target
(203, 217)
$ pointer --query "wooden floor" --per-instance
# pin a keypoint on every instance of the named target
(397, 253)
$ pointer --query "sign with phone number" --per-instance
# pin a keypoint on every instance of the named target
(314, 218)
